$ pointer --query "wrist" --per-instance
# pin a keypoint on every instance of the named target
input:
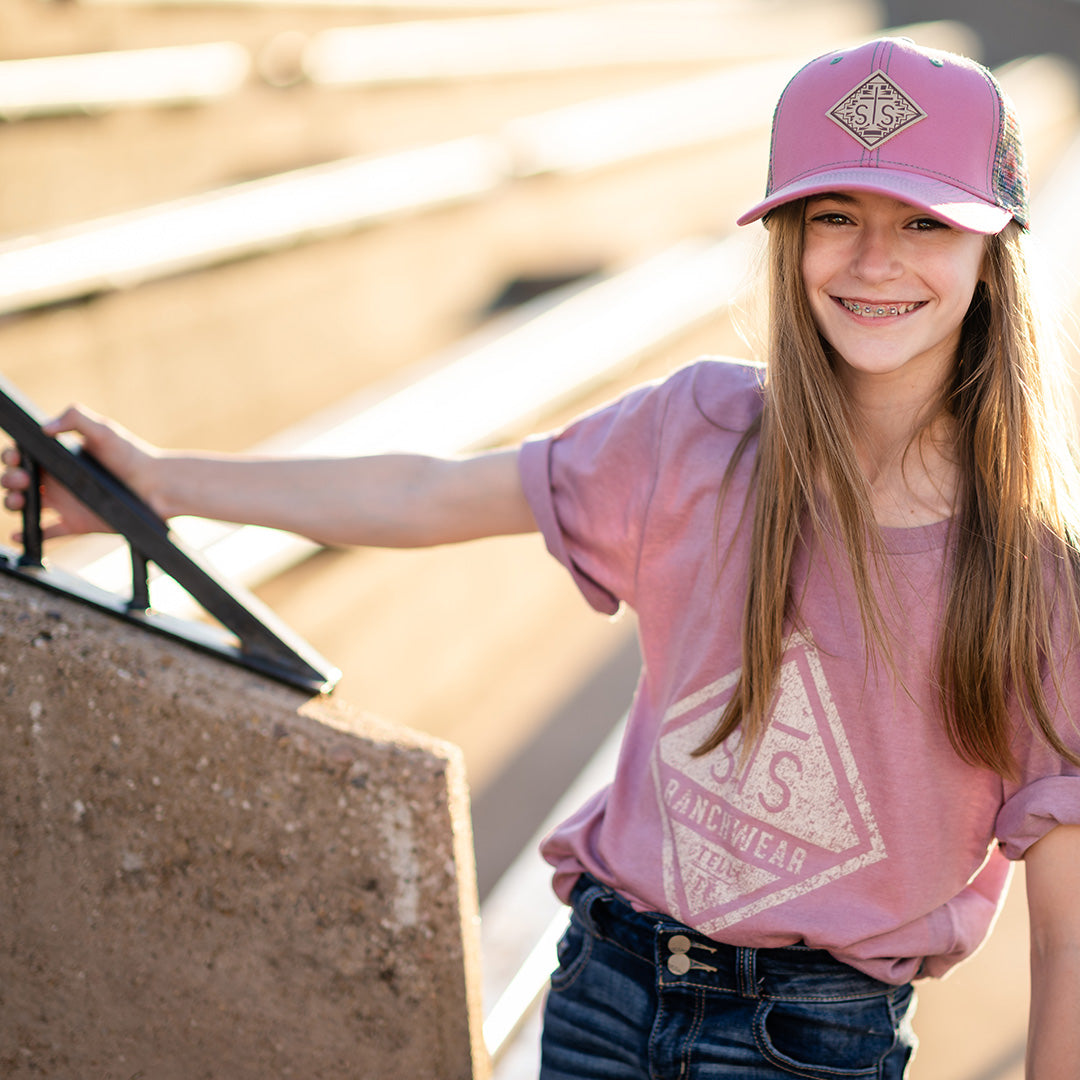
(151, 481)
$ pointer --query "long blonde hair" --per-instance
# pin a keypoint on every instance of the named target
(1014, 566)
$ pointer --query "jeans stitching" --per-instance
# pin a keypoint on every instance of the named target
(583, 906)
(812, 998)
(897, 1017)
(695, 1030)
(648, 959)
(576, 966)
(773, 1056)
(658, 1016)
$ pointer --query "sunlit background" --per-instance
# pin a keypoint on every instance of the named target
(343, 227)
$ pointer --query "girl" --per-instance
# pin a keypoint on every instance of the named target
(856, 575)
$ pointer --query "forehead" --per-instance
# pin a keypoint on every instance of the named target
(869, 199)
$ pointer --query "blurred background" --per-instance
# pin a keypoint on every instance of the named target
(337, 226)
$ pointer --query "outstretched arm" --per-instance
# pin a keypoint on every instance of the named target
(1053, 886)
(391, 500)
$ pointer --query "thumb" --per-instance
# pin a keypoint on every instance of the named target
(74, 418)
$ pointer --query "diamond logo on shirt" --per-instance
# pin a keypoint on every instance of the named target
(741, 837)
(875, 111)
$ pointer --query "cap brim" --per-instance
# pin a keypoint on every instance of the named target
(951, 204)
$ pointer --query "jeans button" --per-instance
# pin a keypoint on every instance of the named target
(678, 963)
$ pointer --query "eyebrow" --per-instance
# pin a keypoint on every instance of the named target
(845, 198)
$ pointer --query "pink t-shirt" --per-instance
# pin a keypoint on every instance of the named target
(853, 826)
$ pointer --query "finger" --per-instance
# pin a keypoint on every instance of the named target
(52, 532)
(67, 421)
(15, 479)
(48, 532)
(14, 500)
(77, 419)
(10, 455)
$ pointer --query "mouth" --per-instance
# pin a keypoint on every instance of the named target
(879, 311)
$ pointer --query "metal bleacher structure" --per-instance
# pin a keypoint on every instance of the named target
(298, 226)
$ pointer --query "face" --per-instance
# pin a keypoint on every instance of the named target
(888, 286)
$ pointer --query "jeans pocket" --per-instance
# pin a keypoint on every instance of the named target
(573, 953)
(839, 1038)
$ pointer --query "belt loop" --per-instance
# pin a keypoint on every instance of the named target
(746, 971)
(583, 898)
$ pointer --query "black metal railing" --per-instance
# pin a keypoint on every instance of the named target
(249, 633)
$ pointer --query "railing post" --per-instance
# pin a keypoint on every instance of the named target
(32, 552)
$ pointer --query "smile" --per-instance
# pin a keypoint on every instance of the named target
(879, 311)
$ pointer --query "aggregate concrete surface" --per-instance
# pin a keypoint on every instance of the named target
(204, 874)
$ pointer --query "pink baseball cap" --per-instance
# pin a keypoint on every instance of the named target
(928, 128)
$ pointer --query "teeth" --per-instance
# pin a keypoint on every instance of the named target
(876, 311)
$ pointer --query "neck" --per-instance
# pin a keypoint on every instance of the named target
(903, 445)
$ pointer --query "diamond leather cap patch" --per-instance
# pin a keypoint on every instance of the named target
(875, 111)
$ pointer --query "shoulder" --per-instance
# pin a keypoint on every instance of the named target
(710, 397)
(728, 393)
(725, 393)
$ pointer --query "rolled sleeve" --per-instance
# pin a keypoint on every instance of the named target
(534, 465)
(593, 486)
(590, 486)
(1036, 809)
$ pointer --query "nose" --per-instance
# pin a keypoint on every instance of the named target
(875, 257)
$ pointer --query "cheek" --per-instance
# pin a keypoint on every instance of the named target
(970, 270)
(963, 292)
(810, 271)
(813, 279)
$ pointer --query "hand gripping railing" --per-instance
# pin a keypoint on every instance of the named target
(259, 640)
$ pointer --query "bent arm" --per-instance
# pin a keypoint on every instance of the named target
(390, 500)
(1053, 885)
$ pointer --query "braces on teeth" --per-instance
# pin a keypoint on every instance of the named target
(868, 309)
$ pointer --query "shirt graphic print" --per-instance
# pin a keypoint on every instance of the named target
(743, 837)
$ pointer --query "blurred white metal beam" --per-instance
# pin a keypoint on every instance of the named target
(90, 82)
(246, 219)
(613, 35)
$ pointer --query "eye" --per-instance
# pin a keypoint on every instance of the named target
(831, 217)
(928, 224)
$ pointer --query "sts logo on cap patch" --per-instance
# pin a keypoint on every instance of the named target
(875, 111)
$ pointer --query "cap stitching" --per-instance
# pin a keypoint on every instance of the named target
(887, 163)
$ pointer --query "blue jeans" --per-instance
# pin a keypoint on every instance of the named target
(642, 997)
